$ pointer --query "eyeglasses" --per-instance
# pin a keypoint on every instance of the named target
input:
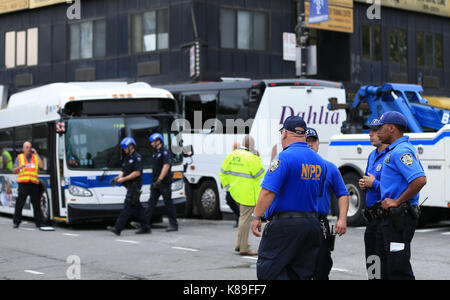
(295, 131)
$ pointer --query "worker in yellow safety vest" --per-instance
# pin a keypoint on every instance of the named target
(6, 163)
(241, 175)
(27, 167)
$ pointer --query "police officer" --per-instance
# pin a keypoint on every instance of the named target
(161, 184)
(402, 178)
(27, 167)
(241, 174)
(333, 182)
(289, 197)
(371, 184)
(131, 178)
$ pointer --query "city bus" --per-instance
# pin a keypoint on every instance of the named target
(76, 128)
(217, 114)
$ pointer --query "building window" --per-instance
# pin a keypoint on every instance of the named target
(398, 46)
(21, 48)
(88, 40)
(371, 42)
(243, 29)
(150, 31)
(429, 50)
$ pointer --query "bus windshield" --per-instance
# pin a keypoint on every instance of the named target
(94, 143)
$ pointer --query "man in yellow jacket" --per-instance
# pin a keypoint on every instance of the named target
(241, 175)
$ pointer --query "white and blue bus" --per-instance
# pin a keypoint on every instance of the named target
(76, 128)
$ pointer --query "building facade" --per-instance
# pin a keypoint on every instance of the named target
(179, 41)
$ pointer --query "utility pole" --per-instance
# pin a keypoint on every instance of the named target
(302, 39)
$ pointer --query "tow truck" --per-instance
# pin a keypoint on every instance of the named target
(429, 132)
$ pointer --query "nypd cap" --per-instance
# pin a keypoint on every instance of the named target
(391, 117)
(293, 122)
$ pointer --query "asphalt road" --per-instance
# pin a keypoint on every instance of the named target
(201, 249)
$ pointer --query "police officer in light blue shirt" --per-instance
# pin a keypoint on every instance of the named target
(333, 183)
(371, 184)
(289, 198)
(402, 178)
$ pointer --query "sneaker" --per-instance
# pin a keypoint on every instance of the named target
(113, 230)
(143, 231)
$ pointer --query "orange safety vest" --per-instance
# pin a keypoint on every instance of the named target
(30, 173)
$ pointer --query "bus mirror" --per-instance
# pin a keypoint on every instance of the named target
(61, 127)
(254, 95)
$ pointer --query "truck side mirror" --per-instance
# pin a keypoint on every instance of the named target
(188, 151)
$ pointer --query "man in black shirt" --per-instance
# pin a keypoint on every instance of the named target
(131, 178)
(161, 184)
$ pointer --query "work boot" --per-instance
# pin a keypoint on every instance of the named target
(143, 231)
(171, 229)
(16, 225)
(113, 230)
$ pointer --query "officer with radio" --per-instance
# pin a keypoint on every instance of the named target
(131, 178)
(335, 183)
(289, 197)
(402, 178)
(371, 184)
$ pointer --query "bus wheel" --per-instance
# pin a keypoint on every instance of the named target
(356, 200)
(207, 200)
(45, 207)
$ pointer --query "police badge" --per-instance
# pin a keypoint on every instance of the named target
(388, 158)
(407, 159)
(274, 165)
(379, 166)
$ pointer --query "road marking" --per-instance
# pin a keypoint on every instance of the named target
(71, 234)
(187, 249)
(361, 228)
(446, 233)
(250, 257)
(33, 272)
(428, 230)
(341, 270)
(28, 229)
(128, 241)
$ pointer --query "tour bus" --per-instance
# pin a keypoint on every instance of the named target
(217, 114)
(76, 128)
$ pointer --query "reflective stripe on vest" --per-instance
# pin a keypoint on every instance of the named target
(29, 173)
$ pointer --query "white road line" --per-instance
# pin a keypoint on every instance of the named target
(250, 257)
(71, 234)
(128, 241)
(428, 230)
(341, 270)
(28, 229)
(361, 228)
(187, 249)
(446, 233)
(33, 272)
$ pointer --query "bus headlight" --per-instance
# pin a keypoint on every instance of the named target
(75, 190)
(177, 185)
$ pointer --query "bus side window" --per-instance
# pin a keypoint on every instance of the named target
(6, 151)
(204, 103)
(40, 142)
(233, 105)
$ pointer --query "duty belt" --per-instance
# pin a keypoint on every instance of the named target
(294, 214)
(374, 212)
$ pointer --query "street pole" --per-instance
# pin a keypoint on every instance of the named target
(302, 38)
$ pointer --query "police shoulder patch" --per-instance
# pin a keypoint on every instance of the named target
(407, 159)
(274, 165)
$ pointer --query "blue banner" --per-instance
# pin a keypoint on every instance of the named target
(318, 11)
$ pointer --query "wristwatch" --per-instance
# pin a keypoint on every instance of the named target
(256, 217)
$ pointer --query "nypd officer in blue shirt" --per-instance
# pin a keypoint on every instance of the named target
(371, 184)
(161, 184)
(289, 197)
(335, 183)
(402, 178)
(131, 178)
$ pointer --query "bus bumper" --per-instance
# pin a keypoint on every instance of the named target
(101, 212)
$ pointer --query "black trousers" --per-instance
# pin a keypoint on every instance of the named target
(396, 235)
(25, 190)
(324, 260)
(288, 249)
(166, 191)
(233, 205)
(132, 208)
(373, 244)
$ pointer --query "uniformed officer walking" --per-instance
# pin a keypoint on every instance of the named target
(402, 178)
(161, 184)
(333, 182)
(27, 165)
(131, 178)
(289, 197)
(371, 184)
(241, 175)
